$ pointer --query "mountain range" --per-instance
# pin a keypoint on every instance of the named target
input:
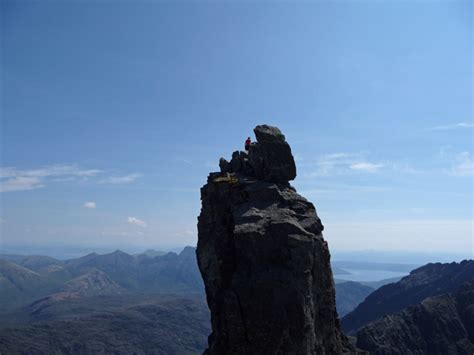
(24, 279)
(154, 302)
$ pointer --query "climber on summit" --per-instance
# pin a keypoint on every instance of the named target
(247, 144)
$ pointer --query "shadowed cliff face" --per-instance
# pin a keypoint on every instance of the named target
(440, 325)
(426, 281)
(263, 258)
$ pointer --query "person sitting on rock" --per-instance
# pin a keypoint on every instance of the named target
(247, 144)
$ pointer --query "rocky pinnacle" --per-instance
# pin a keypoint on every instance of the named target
(263, 259)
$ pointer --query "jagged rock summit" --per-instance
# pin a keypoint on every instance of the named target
(263, 258)
(268, 159)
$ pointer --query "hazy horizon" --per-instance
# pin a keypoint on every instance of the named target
(112, 116)
(367, 255)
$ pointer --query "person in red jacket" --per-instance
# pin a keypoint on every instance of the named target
(247, 144)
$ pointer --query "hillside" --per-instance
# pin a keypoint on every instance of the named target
(119, 272)
(349, 295)
(176, 273)
(121, 325)
(25, 279)
(93, 283)
(440, 325)
(426, 281)
(20, 285)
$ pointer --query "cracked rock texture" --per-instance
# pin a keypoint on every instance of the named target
(263, 258)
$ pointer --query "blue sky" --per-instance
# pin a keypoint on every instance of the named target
(113, 114)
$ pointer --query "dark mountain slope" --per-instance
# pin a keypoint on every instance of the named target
(171, 273)
(120, 266)
(19, 285)
(176, 273)
(426, 281)
(32, 262)
(153, 324)
(96, 274)
(440, 325)
(349, 295)
(150, 253)
(93, 283)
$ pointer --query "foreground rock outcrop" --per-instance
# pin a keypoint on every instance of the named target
(440, 325)
(263, 258)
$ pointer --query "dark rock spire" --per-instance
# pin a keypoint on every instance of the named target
(263, 258)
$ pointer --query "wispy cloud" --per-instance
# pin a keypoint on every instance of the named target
(459, 125)
(463, 165)
(343, 163)
(456, 163)
(90, 204)
(49, 171)
(364, 166)
(185, 161)
(137, 222)
(13, 179)
(125, 179)
(20, 183)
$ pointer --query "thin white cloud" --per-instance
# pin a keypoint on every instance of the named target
(329, 164)
(90, 204)
(125, 179)
(364, 166)
(342, 163)
(405, 168)
(185, 161)
(463, 165)
(459, 125)
(49, 171)
(13, 179)
(137, 222)
(20, 183)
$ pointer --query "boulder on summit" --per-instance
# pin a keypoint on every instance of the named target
(268, 159)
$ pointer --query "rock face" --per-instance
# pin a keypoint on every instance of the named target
(440, 325)
(268, 159)
(426, 281)
(263, 258)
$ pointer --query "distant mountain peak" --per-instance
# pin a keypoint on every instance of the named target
(93, 283)
(188, 250)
